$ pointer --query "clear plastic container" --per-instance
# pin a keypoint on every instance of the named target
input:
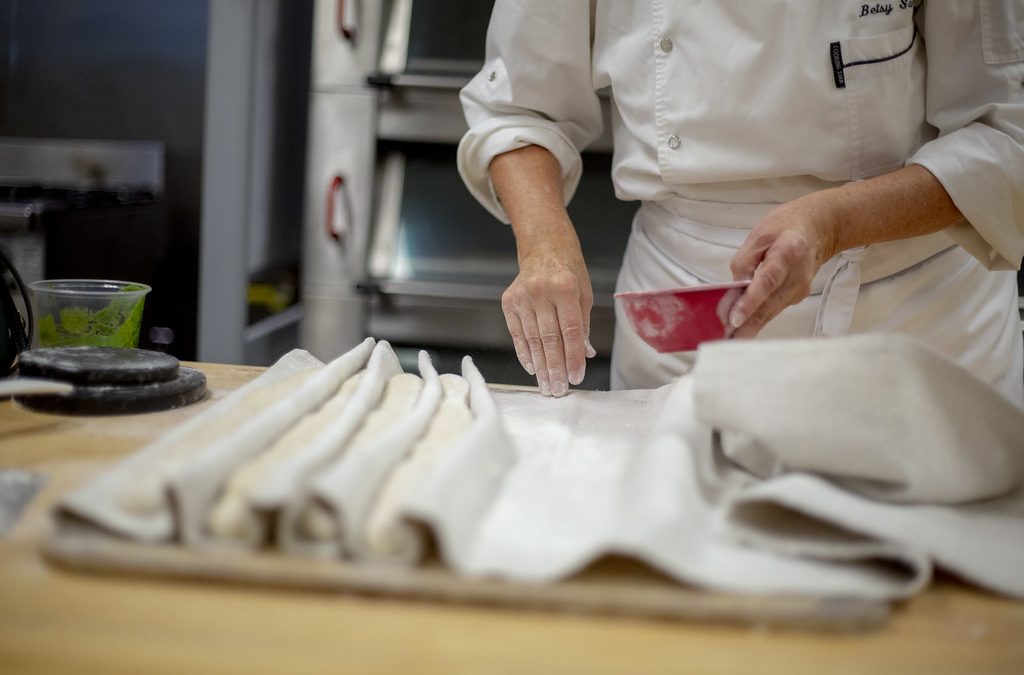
(88, 312)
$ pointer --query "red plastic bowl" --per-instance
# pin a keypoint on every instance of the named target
(679, 319)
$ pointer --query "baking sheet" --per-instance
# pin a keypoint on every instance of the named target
(612, 586)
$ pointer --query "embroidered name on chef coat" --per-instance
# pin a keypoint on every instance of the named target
(885, 8)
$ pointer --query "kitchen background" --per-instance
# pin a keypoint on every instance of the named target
(281, 171)
(304, 190)
(148, 72)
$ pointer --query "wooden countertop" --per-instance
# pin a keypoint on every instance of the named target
(54, 621)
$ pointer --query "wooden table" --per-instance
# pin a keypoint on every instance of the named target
(54, 621)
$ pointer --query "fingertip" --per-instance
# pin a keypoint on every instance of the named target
(590, 351)
(737, 316)
(525, 360)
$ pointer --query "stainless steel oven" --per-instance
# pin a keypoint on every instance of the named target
(421, 264)
(437, 43)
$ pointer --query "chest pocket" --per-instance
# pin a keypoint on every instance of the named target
(1002, 34)
(882, 78)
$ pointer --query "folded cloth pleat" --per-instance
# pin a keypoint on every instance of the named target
(882, 415)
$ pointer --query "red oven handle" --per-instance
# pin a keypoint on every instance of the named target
(337, 222)
(346, 30)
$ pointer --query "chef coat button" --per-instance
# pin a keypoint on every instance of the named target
(665, 44)
(674, 142)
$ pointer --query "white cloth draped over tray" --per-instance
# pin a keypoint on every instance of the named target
(849, 466)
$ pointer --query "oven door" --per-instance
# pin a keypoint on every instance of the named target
(436, 43)
(439, 262)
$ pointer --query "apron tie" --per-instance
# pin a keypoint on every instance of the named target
(839, 296)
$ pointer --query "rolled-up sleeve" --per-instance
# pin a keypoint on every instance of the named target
(975, 98)
(535, 88)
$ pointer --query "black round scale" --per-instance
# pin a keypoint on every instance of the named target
(98, 365)
(111, 380)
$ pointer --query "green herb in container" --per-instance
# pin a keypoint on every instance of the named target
(88, 312)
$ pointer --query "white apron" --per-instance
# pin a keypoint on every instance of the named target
(925, 287)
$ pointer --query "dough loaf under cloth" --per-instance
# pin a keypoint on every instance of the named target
(231, 517)
(146, 492)
(316, 522)
(383, 531)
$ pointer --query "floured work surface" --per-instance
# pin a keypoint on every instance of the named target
(357, 476)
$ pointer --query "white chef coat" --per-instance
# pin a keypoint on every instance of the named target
(733, 106)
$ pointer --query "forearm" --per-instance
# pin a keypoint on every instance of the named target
(528, 182)
(547, 306)
(905, 203)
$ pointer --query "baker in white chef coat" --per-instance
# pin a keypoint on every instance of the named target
(861, 162)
